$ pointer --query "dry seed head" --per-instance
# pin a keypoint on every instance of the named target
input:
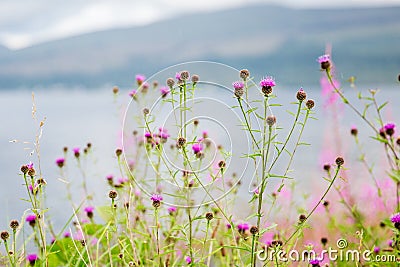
(271, 120)
(170, 82)
(112, 194)
(301, 95)
(31, 172)
(310, 103)
(254, 230)
(239, 92)
(181, 142)
(209, 216)
(24, 169)
(118, 152)
(14, 224)
(244, 74)
(4, 235)
(339, 161)
(195, 78)
(267, 90)
(184, 75)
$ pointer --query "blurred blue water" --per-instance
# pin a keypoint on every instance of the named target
(75, 117)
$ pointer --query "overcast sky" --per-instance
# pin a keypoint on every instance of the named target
(23, 23)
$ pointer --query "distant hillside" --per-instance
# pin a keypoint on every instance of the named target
(266, 39)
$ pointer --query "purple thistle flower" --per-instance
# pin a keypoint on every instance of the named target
(267, 82)
(30, 165)
(67, 234)
(171, 210)
(147, 135)
(238, 85)
(60, 162)
(256, 191)
(140, 79)
(390, 243)
(228, 226)
(188, 260)
(109, 177)
(389, 128)
(76, 150)
(377, 249)
(324, 58)
(89, 209)
(132, 93)
(178, 76)
(242, 227)
(164, 91)
(164, 135)
(395, 218)
(32, 258)
(156, 198)
(314, 262)
(122, 180)
(30, 218)
(197, 147)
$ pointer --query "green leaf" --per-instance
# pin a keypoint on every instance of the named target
(383, 105)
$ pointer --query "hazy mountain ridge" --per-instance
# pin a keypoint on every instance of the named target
(266, 39)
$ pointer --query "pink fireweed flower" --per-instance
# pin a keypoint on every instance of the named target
(267, 82)
(164, 91)
(197, 147)
(140, 79)
(32, 258)
(60, 162)
(188, 260)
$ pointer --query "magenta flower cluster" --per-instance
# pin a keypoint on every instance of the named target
(267, 82)
(324, 58)
(156, 197)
